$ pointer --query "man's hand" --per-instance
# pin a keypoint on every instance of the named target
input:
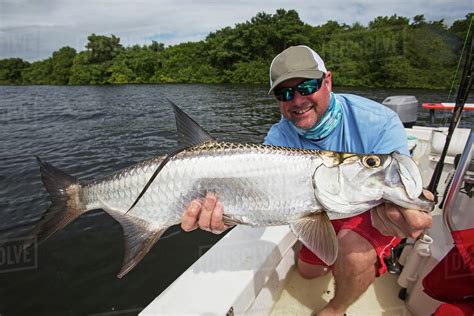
(206, 215)
(393, 220)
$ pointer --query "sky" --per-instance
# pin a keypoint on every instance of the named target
(34, 29)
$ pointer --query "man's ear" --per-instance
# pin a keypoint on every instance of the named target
(328, 80)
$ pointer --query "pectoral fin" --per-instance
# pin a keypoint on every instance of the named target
(316, 232)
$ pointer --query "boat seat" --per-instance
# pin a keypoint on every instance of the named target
(456, 146)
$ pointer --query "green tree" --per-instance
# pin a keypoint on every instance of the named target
(83, 72)
(388, 52)
(156, 47)
(120, 74)
(387, 22)
(186, 62)
(460, 27)
(61, 64)
(142, 61)
(251, 72)
(38, 72)
(103, 48)
(419, 20)
(432, 59)
(93, 66)
(10, 70)
(255, 42)
(320, 36)
(387, 36)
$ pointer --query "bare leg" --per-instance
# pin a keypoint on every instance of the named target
(311, 271)
(353, 272)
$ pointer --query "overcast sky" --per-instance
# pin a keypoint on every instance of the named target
(33, 29)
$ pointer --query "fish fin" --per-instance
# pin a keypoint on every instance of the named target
(65, 205)
(316, 232)
(190, 133)
(230, 221)
(139, 237)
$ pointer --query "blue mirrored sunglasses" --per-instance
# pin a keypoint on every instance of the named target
(305, 88)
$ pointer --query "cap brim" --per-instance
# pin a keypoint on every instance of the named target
(307, 74)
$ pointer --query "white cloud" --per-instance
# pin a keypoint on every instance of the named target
(33, 29)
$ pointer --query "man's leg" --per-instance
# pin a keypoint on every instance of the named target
(309, 265)
(353, 271)
(311, 271)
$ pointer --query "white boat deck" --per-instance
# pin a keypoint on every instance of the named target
(304, 297)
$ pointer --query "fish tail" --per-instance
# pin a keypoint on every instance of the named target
(65, 205)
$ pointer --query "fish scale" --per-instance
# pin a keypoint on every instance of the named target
(263, 192)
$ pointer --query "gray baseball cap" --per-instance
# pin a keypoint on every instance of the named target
(296, 62)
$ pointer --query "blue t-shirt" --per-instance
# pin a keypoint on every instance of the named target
(366, 127)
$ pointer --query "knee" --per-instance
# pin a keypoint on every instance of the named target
(311, 271)
(355, 252)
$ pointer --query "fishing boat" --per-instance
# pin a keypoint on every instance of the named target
(251, 271)
(443, 106)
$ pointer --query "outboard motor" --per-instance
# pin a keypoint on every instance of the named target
(406, 106)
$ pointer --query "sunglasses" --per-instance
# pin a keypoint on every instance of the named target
(305, 88)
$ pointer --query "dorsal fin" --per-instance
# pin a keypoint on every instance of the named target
(189, 132)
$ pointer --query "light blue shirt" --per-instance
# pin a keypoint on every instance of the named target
(366, 127)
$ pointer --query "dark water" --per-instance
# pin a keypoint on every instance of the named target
(91, 132)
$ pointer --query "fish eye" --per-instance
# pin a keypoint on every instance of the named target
(371, 161)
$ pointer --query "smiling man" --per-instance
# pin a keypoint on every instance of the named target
(313, 117)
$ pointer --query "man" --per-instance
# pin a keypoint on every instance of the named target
(315, 118)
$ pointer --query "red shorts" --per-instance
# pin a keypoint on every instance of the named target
(361, 224)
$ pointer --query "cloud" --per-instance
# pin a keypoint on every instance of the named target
(33, 29)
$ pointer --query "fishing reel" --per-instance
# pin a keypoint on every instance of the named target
(393, 266)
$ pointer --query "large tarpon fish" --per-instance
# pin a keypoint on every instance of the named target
(259, 185)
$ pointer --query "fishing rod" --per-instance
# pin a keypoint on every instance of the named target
(465, 86)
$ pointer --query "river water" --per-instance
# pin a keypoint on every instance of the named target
(92, 131)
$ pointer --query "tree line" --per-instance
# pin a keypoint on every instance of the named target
(391, 51)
